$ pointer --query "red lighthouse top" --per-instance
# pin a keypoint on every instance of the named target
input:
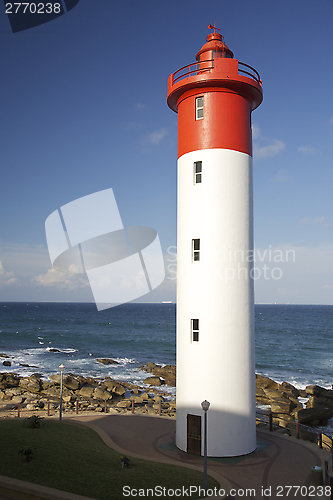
(214, 98)
(215, 67)
(215, 47)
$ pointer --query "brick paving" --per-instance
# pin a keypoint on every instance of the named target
(279, 461)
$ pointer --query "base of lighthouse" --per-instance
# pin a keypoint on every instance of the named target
(215, 304)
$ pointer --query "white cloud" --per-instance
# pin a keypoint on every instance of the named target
(306, 150)
(273, 148)
(69, 279)
(282, 176)
(255, 131)
(156, 136)
(263, 147)
(7, 277)
(321, 221)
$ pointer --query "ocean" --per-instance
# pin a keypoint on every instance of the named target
(293, 342)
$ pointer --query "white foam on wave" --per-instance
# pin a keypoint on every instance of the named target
(125, 361)
(67, 350)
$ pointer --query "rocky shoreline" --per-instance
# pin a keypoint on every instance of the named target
(35, 393)
(94, 394)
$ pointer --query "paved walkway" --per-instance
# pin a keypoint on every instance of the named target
(280, 461)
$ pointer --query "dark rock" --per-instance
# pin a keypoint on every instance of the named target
(7, 363)
(310, 415)
(86, 391)
(266, 382)
(281, 406)
(290, 388)
(316, 390)
(107, 361)
(69, 382)
(2, 355)
(170, 380)
(153, 381)
(319, 402)
(119, 390)
(54, 350)
(100, 393)
(30, 384)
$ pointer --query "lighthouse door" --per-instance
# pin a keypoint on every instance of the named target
(193, 434)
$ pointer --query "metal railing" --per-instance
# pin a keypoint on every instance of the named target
(197, 68)
(187, 71)
(265, 419)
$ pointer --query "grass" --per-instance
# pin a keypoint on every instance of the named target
(75, 459)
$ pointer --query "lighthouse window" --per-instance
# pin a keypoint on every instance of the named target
(195, 330)
(195, 250)
(197, 172)
(199, 112)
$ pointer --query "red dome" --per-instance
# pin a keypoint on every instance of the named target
(215, 47)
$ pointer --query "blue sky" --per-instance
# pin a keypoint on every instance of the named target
(84, 109)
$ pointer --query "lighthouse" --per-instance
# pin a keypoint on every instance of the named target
(214, 98)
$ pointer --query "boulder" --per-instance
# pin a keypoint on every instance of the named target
(7, 363)
(45, 384)
(53, 350)
(12, 380)
(319, 402)
(110, 384)
(170, 380)
(275, 393)
(290, 388)
(281, 406)
(266, 382)
(283, 420)
(312, 415)
(119, 390)
(153, 381)
(137, 399)
(86, 391)
(70, 398)
(67, 381)
(100, 393)
(14, 391)
(30, 384)
(107, 361)
(17, 399)
(87, 380)
(316, 390)
(125, 403)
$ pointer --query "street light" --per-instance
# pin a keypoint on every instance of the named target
(62, 367)
(205, 405)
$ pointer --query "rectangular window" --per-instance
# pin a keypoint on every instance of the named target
(199, 104)
(197, 172)
(195, 330)
(195, 250)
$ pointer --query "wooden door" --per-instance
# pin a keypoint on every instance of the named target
(194, 434)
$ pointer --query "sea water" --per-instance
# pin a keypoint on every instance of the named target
(293, 342)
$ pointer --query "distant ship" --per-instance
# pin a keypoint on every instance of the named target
(166, 301)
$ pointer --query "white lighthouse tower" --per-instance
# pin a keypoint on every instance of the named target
(214, 98)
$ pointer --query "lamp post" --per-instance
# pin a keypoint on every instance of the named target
(62, 367)
(205, 405)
